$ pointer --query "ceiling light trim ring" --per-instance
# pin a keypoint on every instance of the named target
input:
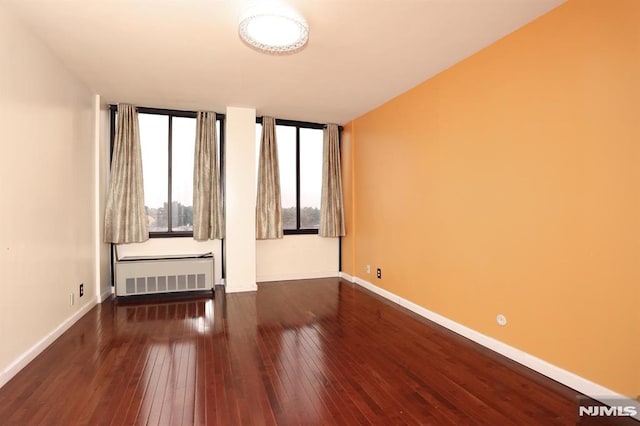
(294, 47)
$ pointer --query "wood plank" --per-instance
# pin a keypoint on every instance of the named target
(299, 352)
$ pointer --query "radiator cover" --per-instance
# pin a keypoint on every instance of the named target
(140, 275)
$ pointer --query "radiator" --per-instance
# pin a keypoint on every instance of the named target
(167, 274)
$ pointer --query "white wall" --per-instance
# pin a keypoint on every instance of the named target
(101, 165)
(240, 199)
(297, 257)
(169, 246)
(247, 260)
(47, 237)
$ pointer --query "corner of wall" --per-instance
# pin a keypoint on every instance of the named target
(348, 242)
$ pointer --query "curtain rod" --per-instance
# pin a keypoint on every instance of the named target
(176, 112)
(285, 122)
(306, 124)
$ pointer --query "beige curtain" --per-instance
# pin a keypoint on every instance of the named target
(268, 203)
(125, 219)
(208, 222)
(331, 204)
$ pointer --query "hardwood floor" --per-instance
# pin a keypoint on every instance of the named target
(307, 352)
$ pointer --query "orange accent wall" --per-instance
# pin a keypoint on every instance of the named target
(510, 184)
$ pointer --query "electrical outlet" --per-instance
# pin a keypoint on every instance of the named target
(71, 299)
(501, 320)
(81, 289)
(368, 269)
(379, 273)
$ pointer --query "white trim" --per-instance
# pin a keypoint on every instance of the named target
(239, 289)
(96, 193)
(28, 356)
(347, 277)
(299, 276)
(556, 373)
(105, 295)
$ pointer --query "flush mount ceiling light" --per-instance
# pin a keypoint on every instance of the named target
(273, 27)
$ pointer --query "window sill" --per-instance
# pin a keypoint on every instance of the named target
(171, 234)
(300, 231)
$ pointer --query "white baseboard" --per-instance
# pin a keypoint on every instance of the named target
(105, 295)
(228, 289)
(567, 378)
(36, 349)
(299, 276)
(347, 277)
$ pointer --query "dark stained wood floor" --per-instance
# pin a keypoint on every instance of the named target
(308, 352)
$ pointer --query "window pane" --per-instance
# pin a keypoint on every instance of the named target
(311, 141)
(258, 138)
(183, 141)
(154, 131)
(286, 139)
(218, 146)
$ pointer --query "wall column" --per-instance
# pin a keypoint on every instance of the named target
(240, 200)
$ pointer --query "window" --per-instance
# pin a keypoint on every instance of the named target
(300, 162)
(167, 141)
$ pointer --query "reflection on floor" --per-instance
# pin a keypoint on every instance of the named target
(305, 352)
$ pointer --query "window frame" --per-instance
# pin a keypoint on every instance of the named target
(170, 113)
(298, 125)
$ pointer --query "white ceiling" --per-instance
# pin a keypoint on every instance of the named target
(186, 54)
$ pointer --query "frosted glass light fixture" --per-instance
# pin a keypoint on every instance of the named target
(273, 27)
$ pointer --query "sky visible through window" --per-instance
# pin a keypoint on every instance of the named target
(155, 157)
(154, 130)
(311, 141)
(154, 142)
(183, 145)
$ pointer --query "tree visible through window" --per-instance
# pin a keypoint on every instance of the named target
(311, 141)
(167, 141)
(168, 146)
(300, 163)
